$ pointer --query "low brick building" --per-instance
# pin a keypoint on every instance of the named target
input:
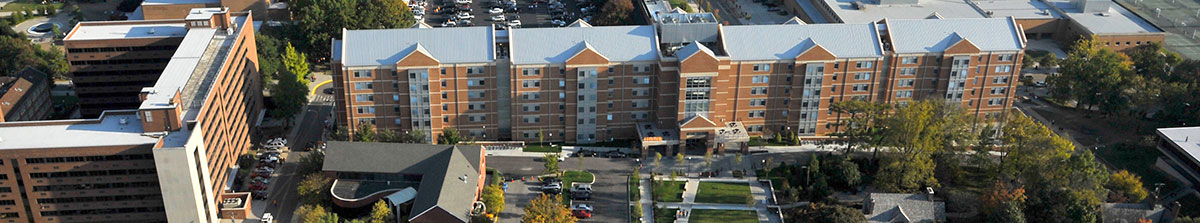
(25, 96)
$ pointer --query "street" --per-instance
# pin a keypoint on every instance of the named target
(609, 193)
(282, 199)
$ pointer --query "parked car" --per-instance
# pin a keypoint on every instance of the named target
(498, 18)
(581, 195)
(496, 11)
(465, 15)
(581, 206)
(549, 180)
(558, 22)
(514, 23)
(615, 154)
(462, 1)
(581, 213)
(552, 188)
(327, 91)
(449, 23)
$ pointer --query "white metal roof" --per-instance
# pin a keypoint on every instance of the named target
(174, 2)
(108, 131)
(873, 12)
(556, 45)
(448, 45)
(1020, 9)
(1186, 138)
(783, 42)
(1116, 20)
(92, 31)
(935, 35)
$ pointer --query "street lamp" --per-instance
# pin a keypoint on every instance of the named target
(805, 167)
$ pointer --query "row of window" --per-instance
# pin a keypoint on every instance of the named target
(121, 61)
(98, 199)
(90, 158)
(92, 173)
(95, 186)
(123, 49)
(104, 211)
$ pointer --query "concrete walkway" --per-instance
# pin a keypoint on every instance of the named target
(760, 192)
(647, 198)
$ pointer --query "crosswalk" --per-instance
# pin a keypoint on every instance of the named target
(322, 98)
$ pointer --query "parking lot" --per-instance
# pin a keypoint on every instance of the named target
(609, 192)
(530, 13)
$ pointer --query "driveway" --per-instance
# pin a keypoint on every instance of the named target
(609, 194)
(62, 19)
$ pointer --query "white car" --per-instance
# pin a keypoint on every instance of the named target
(558, 22)
(419, 17)
(462, 1)
(514, 23)
(496, 11)
(465, 16)
(498, 18)
(449, 23)
(584, 207)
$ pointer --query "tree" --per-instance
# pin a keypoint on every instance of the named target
(365, 133)
(314, 189)
(614, 12)
(657, 161)
(311, 162)
(708, 156)
(1069, 190)
(340, 134)
(679, 161)
(493, 198)
(129, 5)
(310, 213)
(414, 136)
(551, 164)
(844, 173)
(384, 14)
(15, 54)
(322, 20)
(381, 213)
(1125, 187)
(450, 136)
(271, 63)
(818, 212)
(1028, 145)
(916, 134)
(296, 63)
(1003, 204)
(547, 209)
(1092, 76)
(861, 128)
(290, 95)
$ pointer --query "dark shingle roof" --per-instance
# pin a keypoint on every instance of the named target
(450, 174)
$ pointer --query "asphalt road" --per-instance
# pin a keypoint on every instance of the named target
(609, 192)
(283, 192)
(537, 16)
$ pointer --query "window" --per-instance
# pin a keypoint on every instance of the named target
(1006, 57)
(862, 76)
(996, 101)
(531, 83)
(531, 71)
(531, 95)
(904, 94)
(1000, 90)
(475, 82)
(531, 119)
(361, 98)
(760, 79)
(693, 82)
(474, 70)
(758, 91)
(863, 64)
(363, 86)
(758, 114)
(609, 117)
(443, 71)
(643, 80)
(149, 116)
(610, 70)
(908, 60)
(366, 110)
(562, 95)
(477, 106)
(638, 104)
(362, 73)
(477, 118)
(1003, 68)
(529, 108)
(762, 67)
(862, 87)
(905, 82)
(908, 71)
(1000, 80)
(396, 97)
(758, 102)
(696, 94)
(476, 94)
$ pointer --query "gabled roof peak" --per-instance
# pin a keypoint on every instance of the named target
(795, 21)
(693, 48)
(580, 23)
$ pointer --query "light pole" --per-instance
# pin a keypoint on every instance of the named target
(805, 167)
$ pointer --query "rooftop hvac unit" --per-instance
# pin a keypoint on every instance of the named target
(231, 203)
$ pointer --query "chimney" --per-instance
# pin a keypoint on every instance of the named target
(929, 193)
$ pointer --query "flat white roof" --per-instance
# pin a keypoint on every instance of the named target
(1020, 9)
(1187, 138)
(873, 12)
(108, 131)
(1116, 20)
(90, 31)
(202, 13)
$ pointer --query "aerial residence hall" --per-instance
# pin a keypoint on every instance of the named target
(710, 88)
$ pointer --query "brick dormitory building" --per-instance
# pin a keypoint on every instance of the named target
(685, 82)
(186, 97)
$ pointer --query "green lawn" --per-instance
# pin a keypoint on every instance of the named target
(759, 141)
(669, 191)
(722, 216)
(22, 5)
(634, 193)
(576, 176)
(722, 192)
(664, 215)
(1137, 160)
(534, 148)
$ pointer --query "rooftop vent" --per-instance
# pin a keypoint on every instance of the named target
(1105, 14)
(124, 121)
(463, 178)
(150, 31)
(231, 203)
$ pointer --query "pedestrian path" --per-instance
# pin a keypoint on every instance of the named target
(759, 191)
(647, 203)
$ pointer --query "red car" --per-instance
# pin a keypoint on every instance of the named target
(581, 213)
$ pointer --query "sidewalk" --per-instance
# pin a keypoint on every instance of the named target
(761, 194)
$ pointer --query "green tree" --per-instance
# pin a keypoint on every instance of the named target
(322, 20)
(340, 134)
(915, 133)
(547, 209)
(493, 198)
(1028, 145)
(708, 158)
(383, 14)
(271, 64)
(314, 189)
(818, 212)
(381, 213)
(290, 95)
(450, 136)
(1093, 76)
(657, 161)
(550, 164)
(310, 213)
(861, 126)
(844, 173)
(679, 161)
(365, 133)
(414, 136)
(1126, 187)
(296, 63)
(311, 162)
